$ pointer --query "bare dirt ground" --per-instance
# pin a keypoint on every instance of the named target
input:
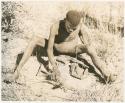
(109, 48)
(37, 88)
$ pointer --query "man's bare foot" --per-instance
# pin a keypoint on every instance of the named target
(12, 77)
(111, 78)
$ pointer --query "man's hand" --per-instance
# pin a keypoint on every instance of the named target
(55, 76)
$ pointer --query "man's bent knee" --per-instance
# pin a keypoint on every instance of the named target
(81, 49)
(38, 40)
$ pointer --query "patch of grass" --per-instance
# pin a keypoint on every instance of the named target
(104, 93)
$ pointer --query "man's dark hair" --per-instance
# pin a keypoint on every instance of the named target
(73, 17)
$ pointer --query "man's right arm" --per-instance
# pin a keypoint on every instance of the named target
(50, 47)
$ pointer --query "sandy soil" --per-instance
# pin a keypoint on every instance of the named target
(38, 88)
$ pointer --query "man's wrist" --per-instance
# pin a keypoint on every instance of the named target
(55, 66)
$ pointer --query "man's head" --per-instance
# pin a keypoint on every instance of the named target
(72, 20)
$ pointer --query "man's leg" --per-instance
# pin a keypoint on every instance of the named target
(27, 53)
(100, 65)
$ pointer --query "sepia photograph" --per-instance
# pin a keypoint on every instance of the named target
(62, 51)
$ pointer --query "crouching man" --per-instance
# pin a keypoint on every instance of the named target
(64, 40)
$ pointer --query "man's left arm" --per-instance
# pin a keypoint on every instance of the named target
(85, 34)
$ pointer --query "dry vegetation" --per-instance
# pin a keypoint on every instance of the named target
(105, 21)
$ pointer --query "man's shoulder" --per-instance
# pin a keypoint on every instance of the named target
(54, 28)
(55, 25)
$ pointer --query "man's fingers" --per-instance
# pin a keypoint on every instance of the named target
(55, 75)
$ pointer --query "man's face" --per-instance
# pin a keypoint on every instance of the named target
(69, 27)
